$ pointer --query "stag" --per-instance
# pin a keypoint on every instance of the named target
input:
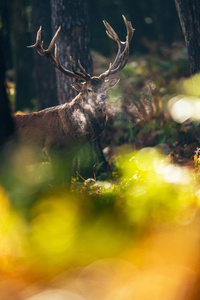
(62, 130)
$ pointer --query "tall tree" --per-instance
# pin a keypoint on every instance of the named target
(189, 15)
(73, 40)
(22, 57)
(44, 72)
(6, 123)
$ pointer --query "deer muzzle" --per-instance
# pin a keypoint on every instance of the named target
(103, 96)
(101, 99)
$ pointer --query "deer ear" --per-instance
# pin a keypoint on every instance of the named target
(77, 86)
(113, 81)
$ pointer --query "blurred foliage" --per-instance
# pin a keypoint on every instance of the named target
(155, 105)
(144, 223)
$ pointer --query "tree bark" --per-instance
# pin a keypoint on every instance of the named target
(44, 72)
(6, 123)
(189, 15)
(22, 57)
(73, 40)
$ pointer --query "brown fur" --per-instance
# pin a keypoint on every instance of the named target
(62, 130)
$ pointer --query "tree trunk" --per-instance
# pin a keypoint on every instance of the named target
(6, 123)
(189, 15)
(44, 72)
(22, 57)
(73, 40)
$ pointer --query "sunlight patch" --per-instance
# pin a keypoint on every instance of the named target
(89, 108)
(183, 108)
(180, 109)
(79, 116)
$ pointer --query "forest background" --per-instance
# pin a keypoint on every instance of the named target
(130, 231)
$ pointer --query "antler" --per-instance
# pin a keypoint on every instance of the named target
(123, 47)
(54, 59)
(118, 64)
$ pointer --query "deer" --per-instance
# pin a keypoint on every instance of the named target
(63, 129)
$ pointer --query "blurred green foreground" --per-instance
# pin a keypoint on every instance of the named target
(136, 237)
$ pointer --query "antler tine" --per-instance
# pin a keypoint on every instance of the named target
(84, 74)
(50, 48)
(38, 44)
(123, 47)
(110, 32)
(54, 59)
(130, 30)
(83, 69)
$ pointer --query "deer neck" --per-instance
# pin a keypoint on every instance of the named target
(87, 116)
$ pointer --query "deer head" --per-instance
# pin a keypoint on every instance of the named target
(91, 87)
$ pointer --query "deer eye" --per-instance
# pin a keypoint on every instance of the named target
(89, 90)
